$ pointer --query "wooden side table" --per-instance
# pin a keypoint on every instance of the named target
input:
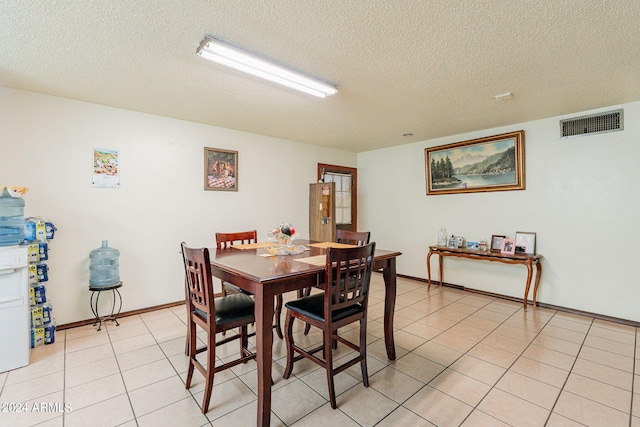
(95, 292)
(524, 259)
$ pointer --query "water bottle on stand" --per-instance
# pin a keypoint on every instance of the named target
(104, 266)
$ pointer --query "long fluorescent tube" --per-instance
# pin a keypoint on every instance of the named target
(222, 53)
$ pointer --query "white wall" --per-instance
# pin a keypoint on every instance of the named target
(581, 198)
(47, 143)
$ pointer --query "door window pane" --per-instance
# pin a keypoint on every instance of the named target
(343, 196)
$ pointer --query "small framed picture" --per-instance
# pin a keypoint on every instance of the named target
(508, 246)
(526, 242)
(220, 169)
(474, 246)
(452, 243)
(459, 242)
(496, 242)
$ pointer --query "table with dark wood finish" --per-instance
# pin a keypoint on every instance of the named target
(266, 277)
(518, 258)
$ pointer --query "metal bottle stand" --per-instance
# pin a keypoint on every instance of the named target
(95, 292)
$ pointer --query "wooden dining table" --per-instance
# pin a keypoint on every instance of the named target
(254, 269)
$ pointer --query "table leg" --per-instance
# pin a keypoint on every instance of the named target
(528, 285)
(429, 268)
(389, 274)
(535, 286)
(440, 257)
(264, 348)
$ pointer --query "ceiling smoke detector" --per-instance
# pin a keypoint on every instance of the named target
(504, 96)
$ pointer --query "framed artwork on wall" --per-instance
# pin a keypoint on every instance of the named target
(220, 169)
(493, 163)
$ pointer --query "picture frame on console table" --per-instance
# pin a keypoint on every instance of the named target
(496, 242)
(526, 242)
(508, 247)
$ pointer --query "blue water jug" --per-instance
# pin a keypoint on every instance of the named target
(11, 219)
(103, 266)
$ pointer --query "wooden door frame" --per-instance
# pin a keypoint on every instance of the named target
(354, 187)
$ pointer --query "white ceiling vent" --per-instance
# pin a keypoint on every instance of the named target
(610, 121)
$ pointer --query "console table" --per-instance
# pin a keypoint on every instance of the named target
(525, 259)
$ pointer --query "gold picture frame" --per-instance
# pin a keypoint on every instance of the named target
(493, 163)
(220, 169)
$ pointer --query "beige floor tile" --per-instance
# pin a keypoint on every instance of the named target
(33, 388)
(117, 334)
(512, 409)
(454, 341)
(366, 406)
(478, 369)
(146, 374)
(295, 400)
(480, 323)
(550, 357)
(605, 374)
(438, 322)
(607, 358)
(133, 343)
(145, 355)
(548, 374)
(87, 341)
(35, 369)
(438, 353)
(407, 341)
(245, 416)
(605, 344)
(613, 326)
(460, 386)
(27, 412)
(588, 412)
(564, 334)
(516, 333)
(158, 395)
(410, 313)
(423, 331)
(606, 394)
(326, 416)
(93, 392)
(418, 367)
(556, 420)
(89, 355)
(394, 384)
(557, 344)
(462, 308)
(480, 419)
(403, 417)
(505, 343)
(183, 413)
(570, 324)
(105, 413)
(469, 332)
(438, 408)
(624, 337)
(491, 315)
(91, 371)
(494, 355)
(529, 389)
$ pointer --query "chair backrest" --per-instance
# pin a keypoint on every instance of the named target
(347, 277)
(197, 269)
(224, 240)
(359, 238)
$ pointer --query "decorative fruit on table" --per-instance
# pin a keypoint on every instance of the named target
(285, 233)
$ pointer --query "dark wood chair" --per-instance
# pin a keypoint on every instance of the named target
(344, 301)
(358, 238)
(213, 315)
(225, 240)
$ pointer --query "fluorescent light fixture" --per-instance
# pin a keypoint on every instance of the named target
(222, 53)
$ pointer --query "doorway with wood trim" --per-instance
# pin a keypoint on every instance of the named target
(346, 197)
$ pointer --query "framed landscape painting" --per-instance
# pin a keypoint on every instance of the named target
(494, 163)
(220, 169)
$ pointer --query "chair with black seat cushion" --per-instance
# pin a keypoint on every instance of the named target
(344, 301)
(225, 240)
(358, 238)
(213, 315)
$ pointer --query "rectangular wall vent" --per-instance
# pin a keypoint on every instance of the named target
(611, 121)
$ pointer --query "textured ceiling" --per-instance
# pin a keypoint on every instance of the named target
(430, 68)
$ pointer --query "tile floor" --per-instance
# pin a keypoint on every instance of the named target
(462, 359)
